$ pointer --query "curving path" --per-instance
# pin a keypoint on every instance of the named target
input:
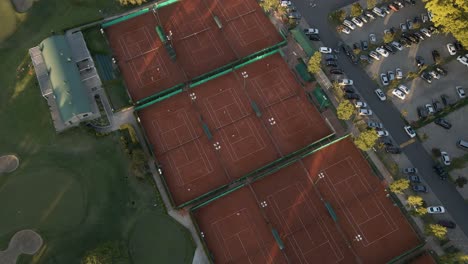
(23, 242)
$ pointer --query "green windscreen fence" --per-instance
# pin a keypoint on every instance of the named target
(321, 98)
(301, 69)
(124, 18)
(303, 41)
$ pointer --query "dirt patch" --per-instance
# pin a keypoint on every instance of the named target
(22, 6)
(23, 242)
(8, 163)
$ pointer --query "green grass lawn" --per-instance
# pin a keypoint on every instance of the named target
(72, 188)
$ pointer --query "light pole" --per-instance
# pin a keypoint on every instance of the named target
(321, 175)
(358, 238)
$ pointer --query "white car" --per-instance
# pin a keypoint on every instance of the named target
(311, 31)
(397, 45)
(349, 24)
(345, 30)
(365, 112)
(325, 50)
(451, 49)
(445, 158)
(460, 92)
(404, 88)
(435, 74)
(380, 94)
(463, 60)
(398, 93)
(345, 82)
(374, 55)
(357, 22)
(430, 109)
(382, 133)
(286, 3)
(436, 210)
(384, 79)
(410, 131)
(360, 104)
(399, 74)
(426, 32)
(378, 12)
(382, 51)
(391, 75)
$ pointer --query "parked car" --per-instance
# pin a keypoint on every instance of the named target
(369, 15)
(422, 112)
(397, 45)
(443, 123)
(398, 93)
(386, 141)
(410, 170)
(314, 37)
(436, 56)
(352, 96)
(365, 58)
(460, 92)
(424, 17)
(403, 27)
(440, 70)
(372, 38)
(414, 178)
(409, 23)
(357, 21)
(384, 79)
(399, 73)
(331, 64)
(392, 149)
(419, 188)
(399, 4)
(404, 88)
(418, 35)
(445, 158)
(345, 82)
(426, 32)
(311, 31)
(438, 106)
(430, 108)
(349, 24)
(458, 46)
(348, 89)
(447, 224)
(446, 100)
(378, 12)
(436, 210)
(325, 50)
(382, 133)
(373, 124)
(393, 7)
(336, 71)
(391, 75)
(463, 60)
(363, 18)
(364, 45)
(410, 131)
(380, 94)
(374, 55)
(427, 77)
(360, 104)
(365, 112)
(389, 48)
(440, 171)
(419, 61)
(382, 51)
(294, 15)
(405, 42)
(345, 30)
(435, 75)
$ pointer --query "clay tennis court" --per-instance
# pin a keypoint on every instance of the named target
(200, 45)
(370, 229)
(211, 135)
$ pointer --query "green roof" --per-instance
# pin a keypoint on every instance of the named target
(303, 41)
(70, 94)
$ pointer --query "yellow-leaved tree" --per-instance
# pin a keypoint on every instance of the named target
(399, 186)
(131, 2)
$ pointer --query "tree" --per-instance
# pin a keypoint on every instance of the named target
(345, 110)
(420, 211)
(337, 90)
(461, 181)
(388, 37)
(338, 16)
(269, 5)
(437, 230)
(106, 253)
(415, 201)
(436, 152)
(371, 4)
(313, 66)
(366, 140)
(399, 186)
(451, 16)
(356, 9)
(131, 2)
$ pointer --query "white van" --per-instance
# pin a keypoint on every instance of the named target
(462, 144)
(378, 12)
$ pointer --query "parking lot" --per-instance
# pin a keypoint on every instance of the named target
(423, 93)
(444, 139)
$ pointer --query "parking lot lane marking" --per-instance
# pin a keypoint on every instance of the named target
(411, 141)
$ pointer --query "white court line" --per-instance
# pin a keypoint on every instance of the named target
(231, 93)
(353, 223)
(314, 212)
(257, 27)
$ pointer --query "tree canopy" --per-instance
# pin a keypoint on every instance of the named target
(131, 2)
(399, 186)
(356, 9)
(345, 110)
(269, 5)
(415, 201)
(452, 16)
(366, 140)
(313, 66)
(437, 230)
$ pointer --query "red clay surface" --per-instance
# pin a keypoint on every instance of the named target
(425, 258)
(241, 141)
(369, 230)
(199, 44)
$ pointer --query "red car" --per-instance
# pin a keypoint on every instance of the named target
(393, 7)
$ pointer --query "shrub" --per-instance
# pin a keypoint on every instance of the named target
(338, 16)
(461, 181)
(436, 152)
(356, 9)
